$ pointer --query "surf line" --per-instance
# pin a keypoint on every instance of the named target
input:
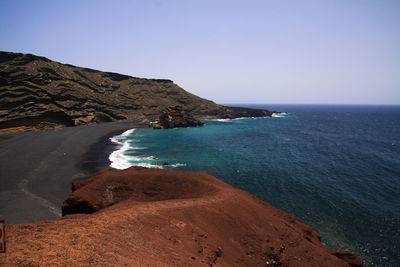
(121, 161)
(118, 159)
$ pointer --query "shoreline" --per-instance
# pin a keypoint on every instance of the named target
(37, 168)
(86, 149)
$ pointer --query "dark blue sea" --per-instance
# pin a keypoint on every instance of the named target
(335, 168)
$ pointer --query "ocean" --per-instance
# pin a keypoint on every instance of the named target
(333, 167)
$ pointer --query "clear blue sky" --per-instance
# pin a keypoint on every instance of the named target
(272, 51)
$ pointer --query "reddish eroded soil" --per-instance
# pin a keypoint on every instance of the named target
(151, 217)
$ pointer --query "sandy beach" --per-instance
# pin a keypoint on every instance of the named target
(37, 168)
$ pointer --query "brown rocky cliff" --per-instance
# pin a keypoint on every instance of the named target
(38, 93)
(174, 117)
(152, 217)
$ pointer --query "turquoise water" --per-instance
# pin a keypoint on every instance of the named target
(335, 168)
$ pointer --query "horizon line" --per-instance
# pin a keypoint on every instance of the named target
(310, 104)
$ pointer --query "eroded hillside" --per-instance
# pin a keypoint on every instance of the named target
(39, 93)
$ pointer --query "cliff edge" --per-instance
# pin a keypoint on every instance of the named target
(153, 217)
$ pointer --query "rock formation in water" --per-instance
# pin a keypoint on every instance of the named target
(153, 217)
(175, 117)
(37, 93)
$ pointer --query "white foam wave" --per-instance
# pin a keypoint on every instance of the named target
(149, 158)
(243, 118)
(118, 159)
(240, 118)
(119, 139)
(279, 115)
(222, 120)
(148, 165)
(177, 165)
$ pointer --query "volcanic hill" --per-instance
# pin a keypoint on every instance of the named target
(37, 93)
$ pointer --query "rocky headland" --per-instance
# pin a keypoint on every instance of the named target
(152, 217)
(175, 117)
(37, 93)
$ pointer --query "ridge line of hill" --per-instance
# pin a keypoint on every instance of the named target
(37, 93)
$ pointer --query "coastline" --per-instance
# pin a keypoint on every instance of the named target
(37, 168)
(76, 154)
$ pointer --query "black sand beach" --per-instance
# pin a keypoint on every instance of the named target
(36, 168)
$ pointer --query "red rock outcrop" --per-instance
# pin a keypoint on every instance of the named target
(152, 217)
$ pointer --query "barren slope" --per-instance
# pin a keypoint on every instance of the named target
(39, 93)
(152, 217)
